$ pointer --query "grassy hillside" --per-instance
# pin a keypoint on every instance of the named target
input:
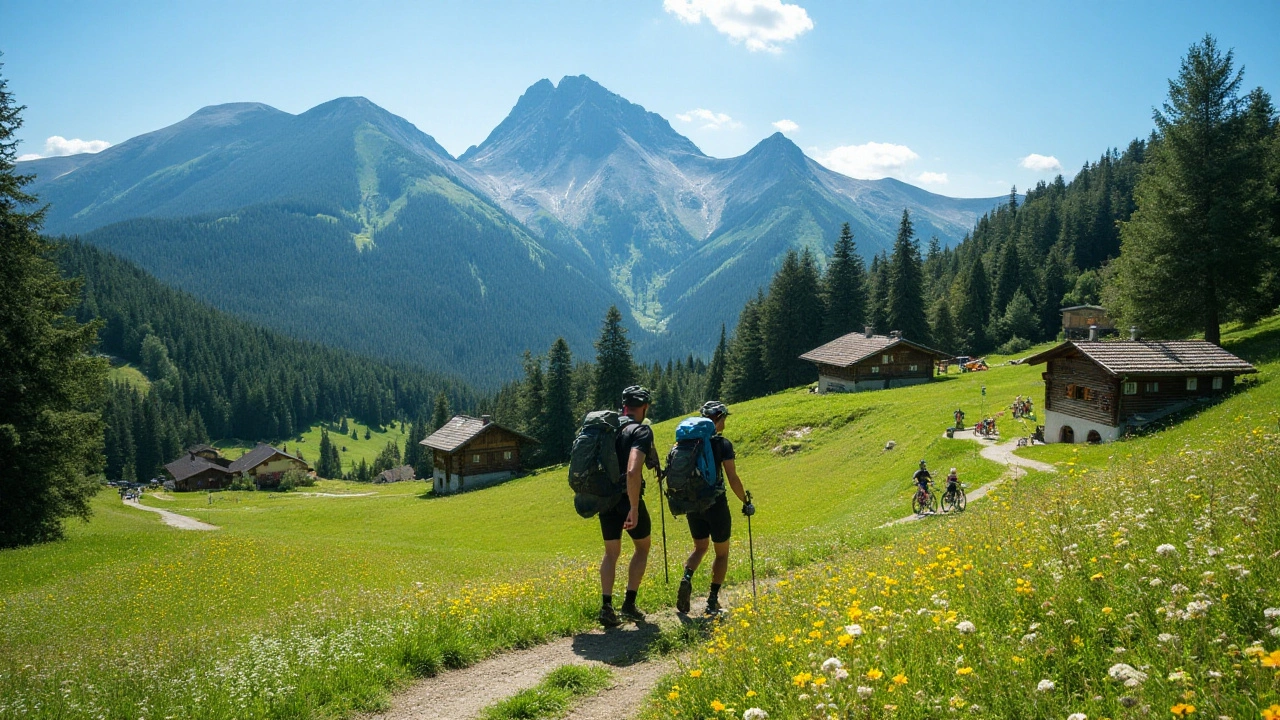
(264, 617)
(353, 450)
(126, 374)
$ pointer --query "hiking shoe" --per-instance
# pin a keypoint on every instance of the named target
(683, 595)
(608, 617)
(631, 613)
(713, 606)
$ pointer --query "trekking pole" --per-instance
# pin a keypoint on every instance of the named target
(662, 511)
(751, 552)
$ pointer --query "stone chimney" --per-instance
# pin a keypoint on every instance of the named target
(486, 419)
(1093, 333)
(869, 331)
(1133, 332)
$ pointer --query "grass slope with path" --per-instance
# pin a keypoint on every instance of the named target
(310, 605)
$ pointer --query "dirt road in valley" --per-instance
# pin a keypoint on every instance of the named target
(173, 519)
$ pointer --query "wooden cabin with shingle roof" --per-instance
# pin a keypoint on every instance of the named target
(1094, 390)
(470, 453)
(866, 361)
(202, 467)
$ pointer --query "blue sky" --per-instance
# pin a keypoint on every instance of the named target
(951, 96)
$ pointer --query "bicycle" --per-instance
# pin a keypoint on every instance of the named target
(924, 500)
(954, 500)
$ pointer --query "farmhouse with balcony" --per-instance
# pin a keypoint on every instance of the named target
(1094, 390)
(1086, 321)
(866, 361)
(202, 467)
(470, 453)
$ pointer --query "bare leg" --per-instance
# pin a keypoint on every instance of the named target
(720, 566)
(699, 550)
(609, 565)
(635, 572)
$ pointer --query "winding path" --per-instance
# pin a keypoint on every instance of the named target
(173, 519)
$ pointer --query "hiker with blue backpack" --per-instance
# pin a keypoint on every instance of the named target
(605, 472)
(697, 468)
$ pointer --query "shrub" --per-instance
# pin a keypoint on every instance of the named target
(1014, 345)
(243, 482)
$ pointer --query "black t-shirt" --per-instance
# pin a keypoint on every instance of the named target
(721, 450)
(922, 475)
(634, 435)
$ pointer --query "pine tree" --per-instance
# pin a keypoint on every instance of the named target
(942, 328)
(51, 389)
(615, 369)
(844, 289)
(715, 371)
(367, 435)
(906, 312)
(974, 305)
(744, 374)
(440, 414)
(1193, 253)
(791, 321)
(324, 462)
(1008, 279)
(342, 426)
(878, 293)
(561, 422)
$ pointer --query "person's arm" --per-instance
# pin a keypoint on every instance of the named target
(635, 466)
(735, 482)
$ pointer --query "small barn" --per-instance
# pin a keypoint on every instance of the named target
(266, 465)
(200, 468)
(1084, 322)
(470, 453)
(1094, 390)
(866, 361)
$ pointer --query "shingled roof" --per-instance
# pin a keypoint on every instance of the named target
(855, 347)
(1152, 357)
(190, 464)
(257, 456)
(461, 430)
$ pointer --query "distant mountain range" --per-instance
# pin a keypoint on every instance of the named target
(348, 225)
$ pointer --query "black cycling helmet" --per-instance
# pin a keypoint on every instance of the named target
(922, 463)
(636, 395)
(714, 409)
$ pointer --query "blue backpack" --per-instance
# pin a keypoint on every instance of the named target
(692, 481)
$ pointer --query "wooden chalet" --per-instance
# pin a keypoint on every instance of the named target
(396, 474)
(1079, 321)
(866, 361)
(1094, 390)
(202, 467)
(471, 453)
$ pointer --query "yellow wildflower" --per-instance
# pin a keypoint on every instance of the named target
(964, 671)
(874, 674)
(751, 693)
(695, 673)
(1272, 660)
(1182, 709)
(1271, 713)
(1096, 576)
(673, 695)
(717, 706)
(802, 679)
(899, 679)
(1106, 611)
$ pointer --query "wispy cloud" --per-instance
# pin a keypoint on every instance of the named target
(932, 178)
(710, 120)
(1041, 163)
(57, 146)
(786, 126)
(760, 24)
(869, 161)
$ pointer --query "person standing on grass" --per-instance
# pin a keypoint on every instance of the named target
(714, 525)
(634, 446)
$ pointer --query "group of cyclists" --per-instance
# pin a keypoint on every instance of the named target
(953, 498)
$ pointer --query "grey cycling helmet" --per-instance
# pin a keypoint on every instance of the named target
(714, 409)
(636, 395)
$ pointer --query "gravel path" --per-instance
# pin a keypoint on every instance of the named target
(173, 519)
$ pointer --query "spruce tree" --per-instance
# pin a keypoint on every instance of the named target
(905, 298)
(1193, 253)
(324, 467)
(942, 328)
(791, 321)
(440, 414)
(1008, 279)
(974, 305)
(561, 422)
(715, 371)
(615, 369)
(51, 389)
(744, 374)
(844, 289)
(878, 293)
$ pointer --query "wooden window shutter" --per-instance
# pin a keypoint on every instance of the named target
(1071, 392)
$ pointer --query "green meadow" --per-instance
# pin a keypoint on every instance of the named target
(353, 449)
(322, 602)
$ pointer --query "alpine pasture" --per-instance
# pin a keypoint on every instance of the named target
(308, 604)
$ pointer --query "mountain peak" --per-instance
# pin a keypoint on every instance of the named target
(231, 113)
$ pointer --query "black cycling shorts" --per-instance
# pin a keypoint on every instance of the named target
(716, 522)
(611, 521)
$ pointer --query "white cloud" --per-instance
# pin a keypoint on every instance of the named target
(710, 120)
(760, 24)
(57, 146)
(1041, 163)
(786, 126)
(870, 161)
(932, 178)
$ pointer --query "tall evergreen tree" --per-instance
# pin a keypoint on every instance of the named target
(51, 389)
(844, 289)
(324, 462)
(440, 413)
(561, 421)
(615, 369)
(744, 374)
(715, 371)
(1193, 253)
(878, 293)
(942, 328)
(791, 321)
(1008, 279)
(906, 312)
(974, 305)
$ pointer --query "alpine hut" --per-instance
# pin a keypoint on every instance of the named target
(866, 361)
(1094, 390)
(470, 453)
(202, 467)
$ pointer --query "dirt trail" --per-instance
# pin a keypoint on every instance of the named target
(1002, 453)
(173, 519)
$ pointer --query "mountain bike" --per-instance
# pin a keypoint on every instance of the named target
(953, 499)
(924, 501)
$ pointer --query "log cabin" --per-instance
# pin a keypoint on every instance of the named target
(470, 453)
(1086, 321)
(1095, 390)
(866, 361)
(202, 467)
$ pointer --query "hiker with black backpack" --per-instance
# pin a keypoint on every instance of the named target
(697, 468)
(605, 473)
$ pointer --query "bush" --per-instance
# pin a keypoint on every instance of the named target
(297, 478)
(243, 482)
(1014, 345)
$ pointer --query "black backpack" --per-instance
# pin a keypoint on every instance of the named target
(693, 483)
(594, 474)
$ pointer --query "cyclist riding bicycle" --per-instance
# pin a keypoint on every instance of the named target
(923, 479)
(953, 480)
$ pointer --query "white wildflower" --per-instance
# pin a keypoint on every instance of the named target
(1118, 650)
(755, 714)
(840, 674)
(1166, 550)
(1179, 675)
(1028, 638)
(1155, 582)
(865, 691)
(1178, 588)
(1197, 608)
(831, 664)
(1077, 716)
(965, 627)
(854, 630)
(1275, 631)
(1045, 686)
(1166, 637)
(1271, 613)
(1128, 674)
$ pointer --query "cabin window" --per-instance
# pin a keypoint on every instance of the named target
(875, 369)
(1131, 388)
(915, 368)
(1079, 392)
(475, 459)
(1217, 383)
(886, 359)
(506, 455)
(1151, 387)
(1071, 392)
(1193, 383)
